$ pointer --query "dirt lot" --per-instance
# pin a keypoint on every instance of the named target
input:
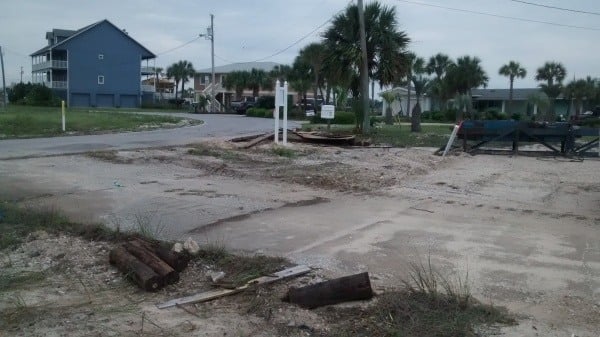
(525, 230)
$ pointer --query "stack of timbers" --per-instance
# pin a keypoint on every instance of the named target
(150, 265)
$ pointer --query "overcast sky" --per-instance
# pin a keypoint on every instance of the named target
(254, 30)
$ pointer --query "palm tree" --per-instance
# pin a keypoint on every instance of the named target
(174, 72)
(389, 97)
(465, 75)
(300, 77)
(438, 65)
(553, 73)
(542, 102)
(180, 72)
(314, 54)
(577, 90)
(238, 81)
(187, 71)
(512, 70)
(386, 45)
(257, 79)
(421, 84)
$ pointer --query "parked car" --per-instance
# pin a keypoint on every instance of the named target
(243, 107)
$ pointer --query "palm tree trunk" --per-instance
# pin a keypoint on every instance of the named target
(510, 96)
(415, 120)
(408, 93)
(176, 88)
(182, 88)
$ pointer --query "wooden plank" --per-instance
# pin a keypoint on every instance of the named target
(213, 294)
(257, 140)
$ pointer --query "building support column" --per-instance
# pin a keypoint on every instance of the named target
(503, 106)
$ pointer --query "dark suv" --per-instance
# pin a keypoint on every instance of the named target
(243, 107)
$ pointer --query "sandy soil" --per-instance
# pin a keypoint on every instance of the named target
(525, 229)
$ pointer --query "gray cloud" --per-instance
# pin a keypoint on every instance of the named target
(247, 31)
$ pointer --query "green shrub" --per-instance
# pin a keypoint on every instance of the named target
(258, 112)
(516, 116)
(343, 117)
(266, 102)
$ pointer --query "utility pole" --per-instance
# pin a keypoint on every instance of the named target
(212, 61)
(364, 69)
(21, 74)
(4, 97)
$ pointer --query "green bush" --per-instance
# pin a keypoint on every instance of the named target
(33, 94)
(258, 112)
(266, 102)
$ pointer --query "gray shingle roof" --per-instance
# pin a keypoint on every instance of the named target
(86, 28)
(502, 94)
(246, 66)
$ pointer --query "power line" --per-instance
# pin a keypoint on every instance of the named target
(297, 41)
(557, 8)
(499, 16)
(180, 46)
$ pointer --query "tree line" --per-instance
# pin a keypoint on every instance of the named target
(331, 69)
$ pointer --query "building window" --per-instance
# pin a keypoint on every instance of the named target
(100, 79)
(100, 56)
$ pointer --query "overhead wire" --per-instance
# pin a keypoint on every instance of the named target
(557, 8)
(499, 15)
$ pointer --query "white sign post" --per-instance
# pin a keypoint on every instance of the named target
(281, 94)
(328, 113)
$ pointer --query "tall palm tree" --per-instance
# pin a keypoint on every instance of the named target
(553, 73)
(438, 65)
(180, 71)
(238, 81)
(314, 54)
(300, 77)
(187, 72)
(512, 70)
(421, 84)
(385, 45)
(174, 72)
(257, 79)
(465, 75)
(389, 97)
(577, 90)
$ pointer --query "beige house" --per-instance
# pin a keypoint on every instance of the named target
(224, 97)
(399, 105)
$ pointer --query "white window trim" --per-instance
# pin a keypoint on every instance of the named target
(100, 79)
(100, 56)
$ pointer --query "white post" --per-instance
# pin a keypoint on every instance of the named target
(451, 140)
(285, 110)
(276, 112)
(63, 115)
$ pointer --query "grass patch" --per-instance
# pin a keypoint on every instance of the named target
(204, 150)
(395, 135)
(239, 269)
(430, 304)
(17, 222)
(27, 121)
(282, 151)
(10, 281)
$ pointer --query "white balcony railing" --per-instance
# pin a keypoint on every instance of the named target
(148, 71)
(56, 84)
(147, 88)
(56, 64)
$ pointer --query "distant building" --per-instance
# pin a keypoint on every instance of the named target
(482, 99)
(98, 65)
(203, 77)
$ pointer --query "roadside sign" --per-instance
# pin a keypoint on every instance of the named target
(327, 111)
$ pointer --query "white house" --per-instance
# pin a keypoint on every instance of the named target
(399, 104)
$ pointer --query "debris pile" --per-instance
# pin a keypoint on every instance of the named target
(150, 265)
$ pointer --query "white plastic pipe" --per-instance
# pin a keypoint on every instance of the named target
(451, 140)
(285, 111)
(276, 113)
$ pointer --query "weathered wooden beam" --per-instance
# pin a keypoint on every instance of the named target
(148, 257)
(344, 289)
(210, 295)
(135, 269)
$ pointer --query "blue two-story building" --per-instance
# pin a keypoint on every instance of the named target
(99, 65)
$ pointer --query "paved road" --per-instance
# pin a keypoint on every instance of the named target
(214, 126)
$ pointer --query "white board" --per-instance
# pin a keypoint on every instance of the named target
(328, 112)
